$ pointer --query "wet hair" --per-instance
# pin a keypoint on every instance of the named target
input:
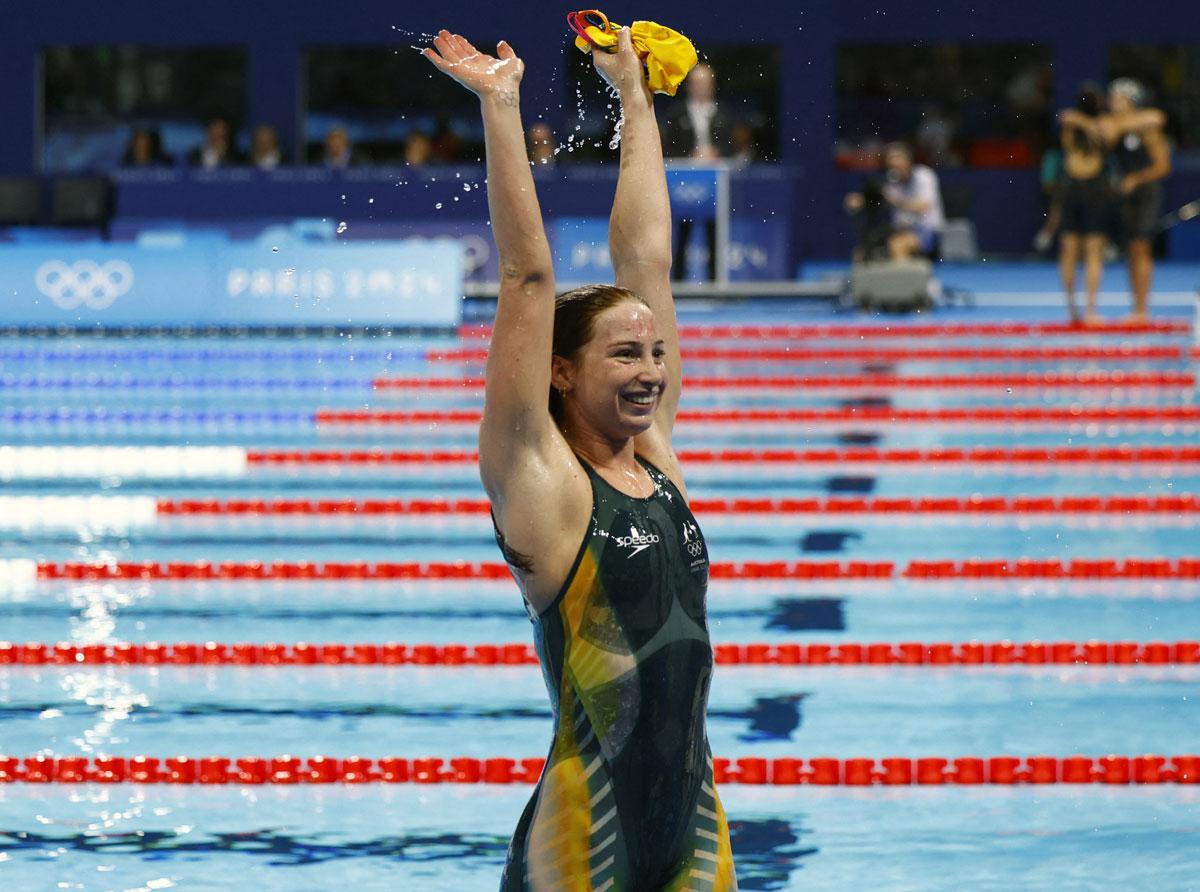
(1089, 101)
(575, 313)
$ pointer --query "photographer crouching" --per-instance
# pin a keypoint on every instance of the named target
(900, 217)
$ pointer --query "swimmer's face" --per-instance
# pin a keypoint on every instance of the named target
(617, 379)
(1119, 102)
(337, 142)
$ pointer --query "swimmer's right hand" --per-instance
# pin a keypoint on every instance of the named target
(480, 73)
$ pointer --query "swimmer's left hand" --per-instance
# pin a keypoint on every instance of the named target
(622, 70)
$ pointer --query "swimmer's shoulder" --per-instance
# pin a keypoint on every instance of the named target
(542, 504)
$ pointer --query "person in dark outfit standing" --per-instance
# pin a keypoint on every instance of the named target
(1143, 161)
(1082, 200)
(700, 131)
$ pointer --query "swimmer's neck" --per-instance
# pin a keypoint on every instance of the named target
(601, 452)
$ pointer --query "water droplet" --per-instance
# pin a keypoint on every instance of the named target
(438, 206)
(342, 227)
(275, 249)
(466, 187)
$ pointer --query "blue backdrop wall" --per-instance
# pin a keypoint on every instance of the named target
(275, 32)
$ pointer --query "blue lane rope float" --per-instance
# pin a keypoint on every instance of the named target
(203, 355)
(28, 382)
(152, 416)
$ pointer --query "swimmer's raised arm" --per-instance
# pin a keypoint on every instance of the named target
(639, 230)
(518, 366)
(1140, 120)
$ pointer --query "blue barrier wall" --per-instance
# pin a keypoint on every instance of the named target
(379, 202)
(276, 32)
(279, 280)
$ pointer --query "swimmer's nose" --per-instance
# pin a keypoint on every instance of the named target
(650, 375)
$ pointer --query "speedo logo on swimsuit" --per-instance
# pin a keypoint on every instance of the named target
(639, 542)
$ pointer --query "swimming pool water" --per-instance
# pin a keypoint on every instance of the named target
(450, 837)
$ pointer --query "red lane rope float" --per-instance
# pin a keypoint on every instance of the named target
(879, 354)
(1047, 381)
(1177, 504)
(1021, 568)
(984, 329)
(390, 653)
(888, 771)
(975, 455)
(982, 414)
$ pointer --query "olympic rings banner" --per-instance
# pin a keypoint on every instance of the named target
(209, 281)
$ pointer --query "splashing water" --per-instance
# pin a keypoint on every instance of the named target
(615, 142)
(342, 227)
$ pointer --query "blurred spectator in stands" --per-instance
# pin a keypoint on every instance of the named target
(337, 149)
(698, 129)
(745, 144)
(145, 149)
(418, 149)
(264, 148)
(912, 194)
(540, 139)
(934, 137)
(218, 149)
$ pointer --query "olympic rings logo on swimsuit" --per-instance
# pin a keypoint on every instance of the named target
(84, 283)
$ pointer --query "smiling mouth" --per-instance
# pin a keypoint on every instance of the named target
(640, 399)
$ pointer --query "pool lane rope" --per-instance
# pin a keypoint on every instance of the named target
(1002, 456)
(307, 356)
(883, 354)
(124, 512)
(1045, 381)
(391, 653)
(432, 418)
(1003, 329)
(234, 462)
(144, 506)
(1005, 415)
(26, 572)
(891, 771)
(1048, 381)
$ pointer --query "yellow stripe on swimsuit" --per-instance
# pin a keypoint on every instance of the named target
(667, 54)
